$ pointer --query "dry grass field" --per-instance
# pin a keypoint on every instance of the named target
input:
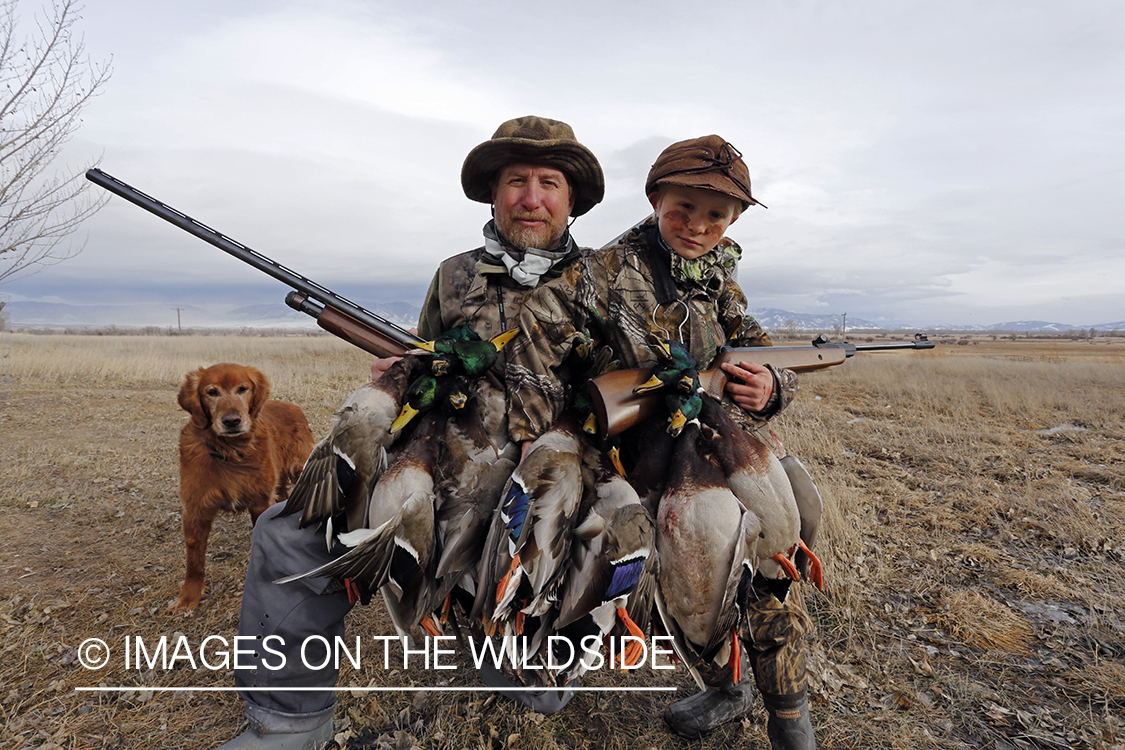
(974, 547)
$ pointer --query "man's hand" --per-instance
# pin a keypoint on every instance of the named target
(379, 366)
(750, 385)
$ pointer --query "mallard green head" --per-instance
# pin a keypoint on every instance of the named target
(420, 397)
(683, 408)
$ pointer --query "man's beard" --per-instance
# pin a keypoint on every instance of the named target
(544, 237)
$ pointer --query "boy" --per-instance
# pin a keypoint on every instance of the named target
(672, 277)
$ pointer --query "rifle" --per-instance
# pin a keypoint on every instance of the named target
(618, 408)
(335, 314)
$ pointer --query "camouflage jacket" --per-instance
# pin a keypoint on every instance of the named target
(612, 296)
(473, 288)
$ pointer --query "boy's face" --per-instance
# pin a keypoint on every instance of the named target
(692, 220)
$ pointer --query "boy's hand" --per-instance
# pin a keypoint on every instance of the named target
(750, 385)
(379, 366)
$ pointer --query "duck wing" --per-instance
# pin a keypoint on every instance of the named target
(394, 551)
(530, 536)
(342, 468)
(397, 539)
(614, 548)
(471, 475)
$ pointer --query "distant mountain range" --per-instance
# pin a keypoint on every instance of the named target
(776, 320)
(32, 315)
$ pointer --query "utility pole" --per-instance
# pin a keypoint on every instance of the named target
(845, 326)
(180, 327)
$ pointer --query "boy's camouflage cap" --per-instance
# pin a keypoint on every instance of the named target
(709, 163)
(535, 140)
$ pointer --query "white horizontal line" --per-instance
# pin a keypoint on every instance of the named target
(142, 688)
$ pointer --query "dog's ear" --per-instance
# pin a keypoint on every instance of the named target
(261, 390)
(189, 400)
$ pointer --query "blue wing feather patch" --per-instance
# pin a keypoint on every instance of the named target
(515, 510)
(625, 576)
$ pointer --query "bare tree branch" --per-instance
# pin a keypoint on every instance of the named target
(45, 83)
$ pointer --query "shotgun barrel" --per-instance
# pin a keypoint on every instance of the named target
(336, 314)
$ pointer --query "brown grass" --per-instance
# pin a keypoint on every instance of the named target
(983, 623)
(973, 561)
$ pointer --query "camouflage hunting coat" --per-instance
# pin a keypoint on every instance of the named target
(473, 288)
(613, 296)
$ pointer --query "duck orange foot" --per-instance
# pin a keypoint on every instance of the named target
(352, 589)
(816, 570)
(506, 580)
(787, 565)
(634, 652)
(735, 661)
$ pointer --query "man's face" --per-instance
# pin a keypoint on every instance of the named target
(693, 220)
(532, 205)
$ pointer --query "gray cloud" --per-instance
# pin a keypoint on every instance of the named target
(950, 163)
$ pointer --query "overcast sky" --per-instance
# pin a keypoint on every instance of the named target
(924, 163)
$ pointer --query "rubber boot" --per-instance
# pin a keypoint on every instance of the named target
(541, 700)
(695, 716)
(252, 739)
(789, 726)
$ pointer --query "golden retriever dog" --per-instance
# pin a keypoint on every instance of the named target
(240, 451)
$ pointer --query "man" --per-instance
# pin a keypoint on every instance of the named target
(536, 175)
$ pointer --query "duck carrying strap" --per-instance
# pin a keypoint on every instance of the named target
(617, 408)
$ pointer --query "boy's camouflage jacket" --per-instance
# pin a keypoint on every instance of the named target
(611, 296)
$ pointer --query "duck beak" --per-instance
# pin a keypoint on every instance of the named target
(424, 346)
(679, 421)
(408, 413)
(501, 339)
(615, 459)
(590, 426)
(649, 385)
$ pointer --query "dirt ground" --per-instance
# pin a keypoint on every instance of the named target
(973, 544)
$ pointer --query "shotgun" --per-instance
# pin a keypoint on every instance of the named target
(335, 314)
(617, 408)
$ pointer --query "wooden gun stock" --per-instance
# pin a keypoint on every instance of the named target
(617, 408)
(346, 327)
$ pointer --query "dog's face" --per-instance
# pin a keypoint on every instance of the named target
(225, 398)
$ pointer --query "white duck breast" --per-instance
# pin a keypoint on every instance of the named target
(758, 480)
(706, 542)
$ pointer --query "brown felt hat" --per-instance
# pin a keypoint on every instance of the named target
(535, 140)
(709, 163)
